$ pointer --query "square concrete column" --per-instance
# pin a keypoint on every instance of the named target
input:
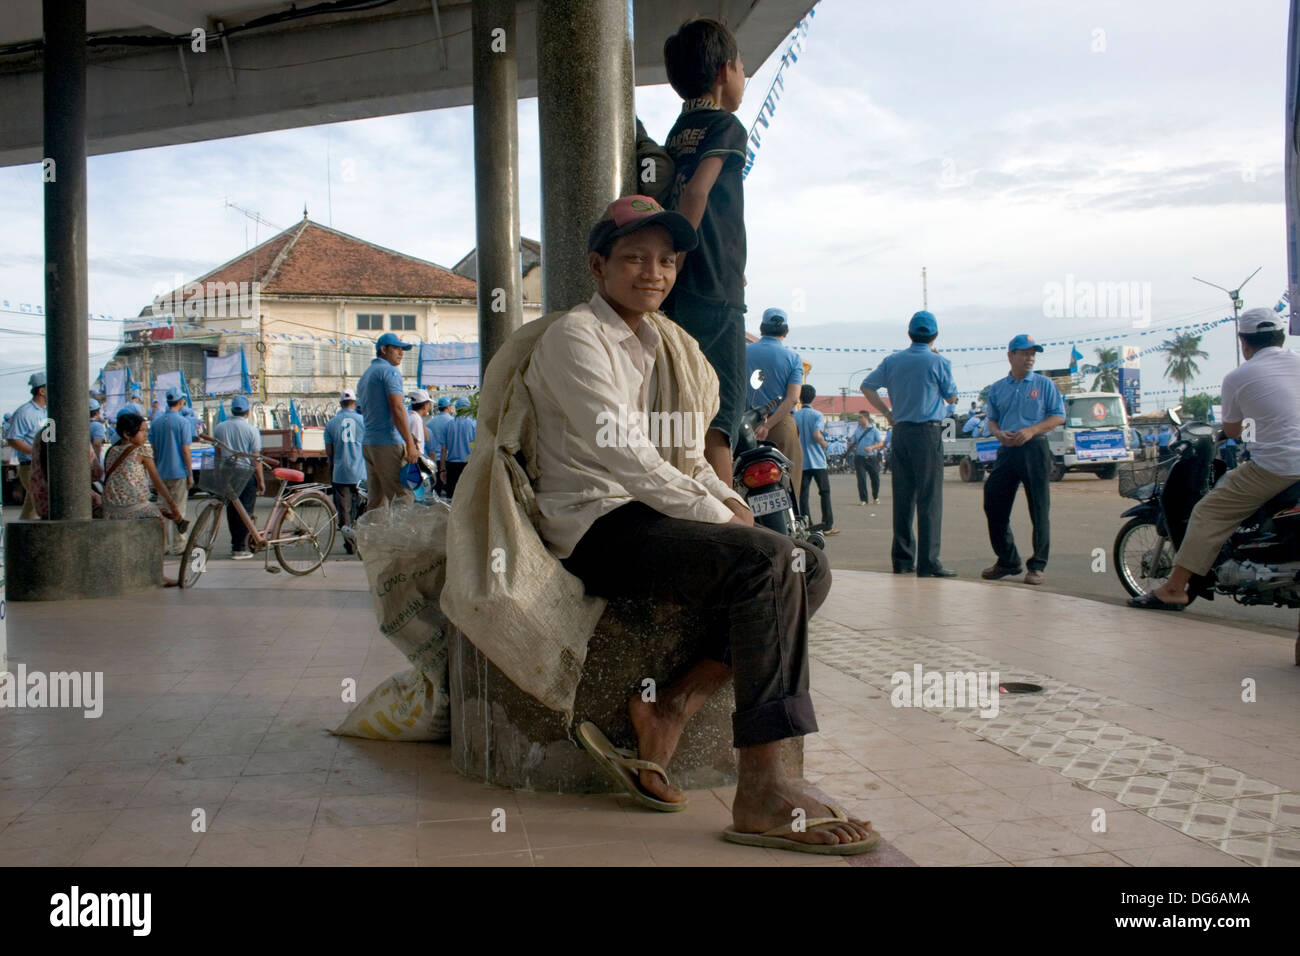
(496, 175)
(587, 131)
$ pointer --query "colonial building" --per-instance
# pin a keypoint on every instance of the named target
(305, 307)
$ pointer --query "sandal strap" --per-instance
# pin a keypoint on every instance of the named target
(788, 828)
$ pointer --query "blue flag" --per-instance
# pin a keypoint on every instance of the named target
(296, 424)
(221, 413)
(1075, 355)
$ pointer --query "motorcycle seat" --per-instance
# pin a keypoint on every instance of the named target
(1283, 500)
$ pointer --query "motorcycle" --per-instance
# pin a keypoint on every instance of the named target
(1258, 564)
(761, 475)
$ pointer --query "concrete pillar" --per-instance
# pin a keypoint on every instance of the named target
(496, 175)
(66, 327)
(587, 133)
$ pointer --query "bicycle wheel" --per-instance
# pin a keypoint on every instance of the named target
(1139, 569)
(309, 520)
(198, 547)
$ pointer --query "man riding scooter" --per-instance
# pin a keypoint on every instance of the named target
(1263, 396)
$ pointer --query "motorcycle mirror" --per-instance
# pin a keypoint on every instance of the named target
(1173, 417)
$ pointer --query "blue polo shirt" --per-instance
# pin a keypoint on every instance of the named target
(344, 433)
(379, 381)
(780, 366)
(438, 426)
(865, 438)
(919, 382)
(23, 425)
(169, 434)
(238, 432)
(98, 430)
(808, 420)
(1018, 404)
(460, 435)
(972, 425)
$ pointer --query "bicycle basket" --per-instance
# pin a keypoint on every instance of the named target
(225, 475)
(1134, 475)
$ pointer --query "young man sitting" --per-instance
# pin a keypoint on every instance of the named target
(628, 523)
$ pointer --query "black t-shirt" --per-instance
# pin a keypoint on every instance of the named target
(716, 268)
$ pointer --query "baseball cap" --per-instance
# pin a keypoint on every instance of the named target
(388, 338)
(630, 213)
(1259, 320)
(347, 395)
(174, 394)
(923, 323)
(1023, 341)
(239, 404)
(94, 405)
(462, 403)
(775, 317)
(419, 396)
(37, 380)
(444, 401)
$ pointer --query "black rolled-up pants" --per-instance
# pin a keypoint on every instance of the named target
(867, 465)
(746, 580)
(1030, 463)
(916, 470)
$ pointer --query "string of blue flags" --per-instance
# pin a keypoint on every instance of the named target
(768, 109)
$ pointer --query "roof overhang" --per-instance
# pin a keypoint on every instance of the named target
(401, 57)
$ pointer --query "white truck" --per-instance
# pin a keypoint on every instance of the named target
(1095, 438)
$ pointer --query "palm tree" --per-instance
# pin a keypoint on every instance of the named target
(1107, 379)
(1181, 354)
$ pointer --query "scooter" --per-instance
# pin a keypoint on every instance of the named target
(1258, 564)
(761, 475)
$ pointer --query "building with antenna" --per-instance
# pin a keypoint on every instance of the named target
(304, 307)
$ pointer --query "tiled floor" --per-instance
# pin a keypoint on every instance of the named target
(213, 749)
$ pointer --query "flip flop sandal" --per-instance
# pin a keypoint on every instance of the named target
(622, 766)
(776, 838)
(1150, 602)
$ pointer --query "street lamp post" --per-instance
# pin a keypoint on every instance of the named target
(1237, 303)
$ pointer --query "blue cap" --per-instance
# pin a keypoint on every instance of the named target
(1023, 341)
(923, 323)
(462, 403)
(37, 380)
(94, 405)
(444, 401)
(388, 338)
(411, 476)
(174, 394)
(775, 317)
(239, 404)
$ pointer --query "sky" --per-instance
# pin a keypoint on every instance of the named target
(1012, 148)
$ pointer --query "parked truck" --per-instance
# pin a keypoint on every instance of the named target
(1094, 438)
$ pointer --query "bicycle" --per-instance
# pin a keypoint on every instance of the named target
(300, 526)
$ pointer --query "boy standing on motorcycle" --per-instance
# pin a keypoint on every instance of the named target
(1264, 392)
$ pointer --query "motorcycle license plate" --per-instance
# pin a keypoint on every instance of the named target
(769, 502)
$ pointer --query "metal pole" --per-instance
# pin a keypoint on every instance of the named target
(586, 132)
(66, 326)
(496, 176)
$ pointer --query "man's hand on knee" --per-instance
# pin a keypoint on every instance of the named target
(740, 514)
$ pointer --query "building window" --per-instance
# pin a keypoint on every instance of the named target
(368, 321)
(401, 323)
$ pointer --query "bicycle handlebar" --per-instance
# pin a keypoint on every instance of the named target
(272, 462)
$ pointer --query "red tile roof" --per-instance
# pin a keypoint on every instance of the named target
(311, 259)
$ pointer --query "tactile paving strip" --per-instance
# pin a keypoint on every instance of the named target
(1251, 819)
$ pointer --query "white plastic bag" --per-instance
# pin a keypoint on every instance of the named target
(405, 550)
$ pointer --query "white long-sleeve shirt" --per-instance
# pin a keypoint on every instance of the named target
(588, 375)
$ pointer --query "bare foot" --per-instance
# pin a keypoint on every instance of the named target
(171, 583)
(658, 728)
(759, 808)
(1171, 595)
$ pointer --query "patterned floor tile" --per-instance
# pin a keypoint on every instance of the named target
(1212, 822)
(1223, 783)
(1144, 792)
(1270, 849)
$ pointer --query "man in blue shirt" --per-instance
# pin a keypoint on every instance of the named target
(170, 436)
(1022, 409)
(461, 432)
(774, 372)
(98, 431)
(809, 422)
(347, 465)
(1163, 439)
(135, 405)
(867, 443)
(387, 430)
(437, 447)
(240, 434)
(21, 435)
(920, 383)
